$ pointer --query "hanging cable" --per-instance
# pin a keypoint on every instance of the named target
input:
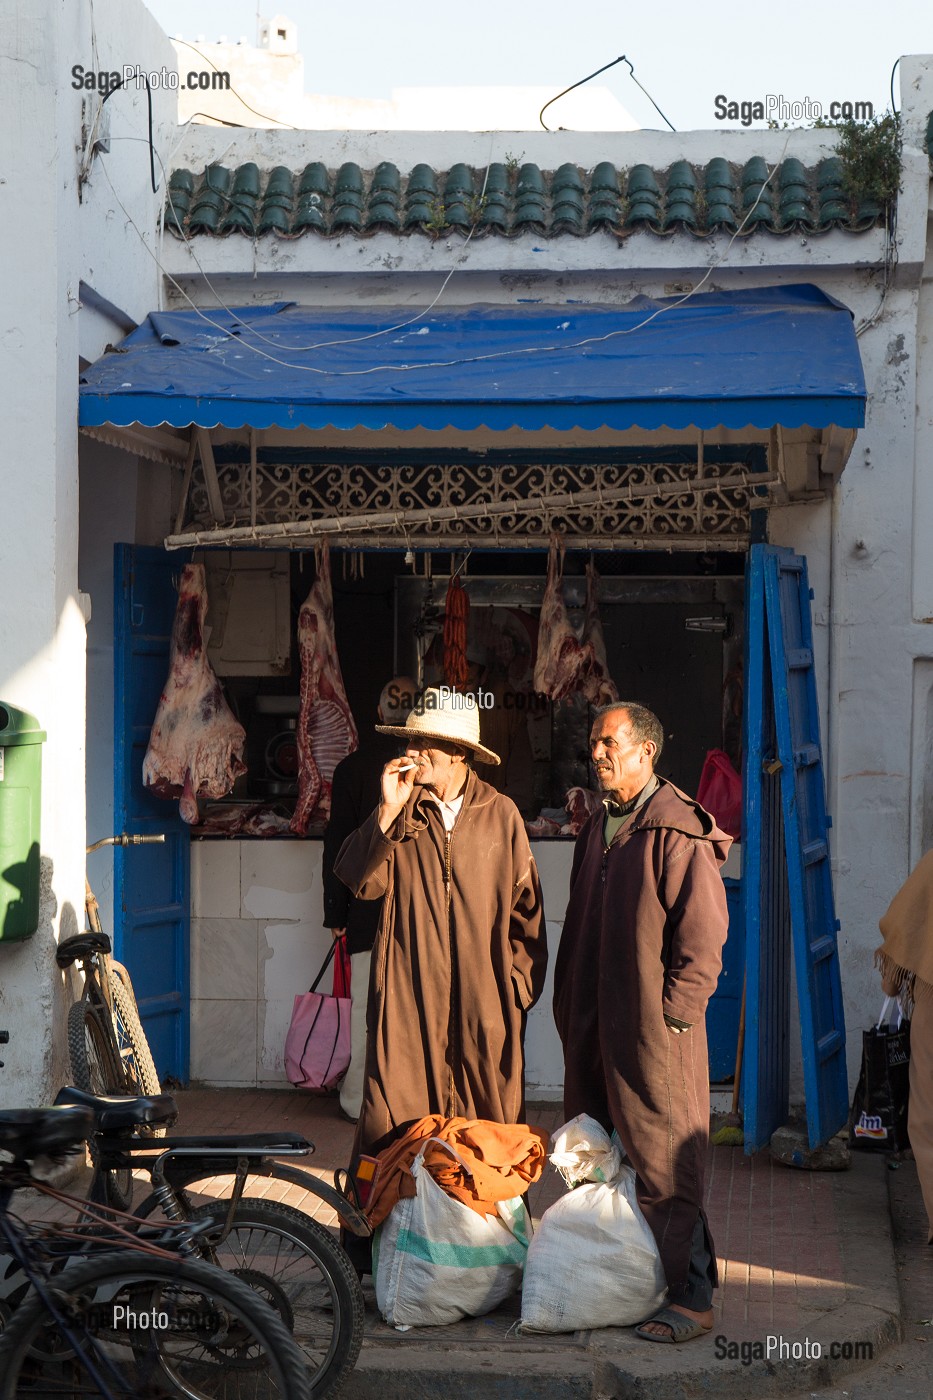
(621, 59)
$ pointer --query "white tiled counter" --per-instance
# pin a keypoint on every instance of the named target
(257, 939)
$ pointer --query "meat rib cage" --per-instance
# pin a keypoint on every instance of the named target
(326, 728)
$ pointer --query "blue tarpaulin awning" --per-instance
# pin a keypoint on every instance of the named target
(757, 357)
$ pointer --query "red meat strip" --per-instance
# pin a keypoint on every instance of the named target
(196, 745)
(598, 686)
(326, 730)
(245, 819)
(542, 826)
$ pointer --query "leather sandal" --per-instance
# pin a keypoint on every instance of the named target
(684, 1329)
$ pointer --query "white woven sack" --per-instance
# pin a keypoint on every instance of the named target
(593, 1261)
(436, 1261)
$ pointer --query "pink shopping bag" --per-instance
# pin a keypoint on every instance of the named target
(317, 1046)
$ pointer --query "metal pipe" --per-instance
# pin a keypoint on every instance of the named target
(296, 531)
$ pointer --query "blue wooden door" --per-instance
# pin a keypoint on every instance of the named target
(806, 834)
(765, 1067)
(151, 883)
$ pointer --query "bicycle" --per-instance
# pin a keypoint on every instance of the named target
(294, 1263)
(107, 1044)
(146, 1319)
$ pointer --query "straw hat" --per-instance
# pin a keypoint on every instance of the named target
(442, 713)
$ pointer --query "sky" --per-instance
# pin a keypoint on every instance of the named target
(685, 54)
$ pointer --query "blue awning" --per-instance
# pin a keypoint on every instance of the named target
(775, 355)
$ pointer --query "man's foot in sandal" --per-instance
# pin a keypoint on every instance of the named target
(676, 1324)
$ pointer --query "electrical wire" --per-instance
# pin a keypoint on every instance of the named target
(278, 121)
(468, 359)
(621, 59)
(347, 340)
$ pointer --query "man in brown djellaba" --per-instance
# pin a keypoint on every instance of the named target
(461, 952)
(639, 957)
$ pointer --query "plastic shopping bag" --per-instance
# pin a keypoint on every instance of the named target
(317, 1046)
(436, 1261)
(878, 1120)
(593, 1261)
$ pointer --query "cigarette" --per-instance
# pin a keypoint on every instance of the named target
(406, 767)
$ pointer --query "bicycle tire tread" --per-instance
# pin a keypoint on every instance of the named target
(330, 1255)
(121, 1265)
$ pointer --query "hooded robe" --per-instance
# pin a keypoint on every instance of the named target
(459, 960)
(642, 937)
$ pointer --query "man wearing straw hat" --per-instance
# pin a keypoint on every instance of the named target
(461, 952)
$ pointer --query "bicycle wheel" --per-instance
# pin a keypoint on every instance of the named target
(299, 1268)
(135, 1055)
(150, 1327)
(94, 1069)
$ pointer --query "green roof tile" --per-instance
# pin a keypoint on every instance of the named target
(506, 201)
(178, 199)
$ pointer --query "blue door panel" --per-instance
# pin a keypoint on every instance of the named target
(765, 1071)
(151, 904)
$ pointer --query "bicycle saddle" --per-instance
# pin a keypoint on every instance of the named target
(80, 945)
(110, 1112)
(35, 1132)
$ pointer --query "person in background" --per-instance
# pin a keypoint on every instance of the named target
(639, 958)
(905, 960)
(356, 788)
(461, 951)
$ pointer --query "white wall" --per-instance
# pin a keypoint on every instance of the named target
(51, 240)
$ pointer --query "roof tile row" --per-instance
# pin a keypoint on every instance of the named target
(509, 199)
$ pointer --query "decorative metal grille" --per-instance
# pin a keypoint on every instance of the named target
(630, 503)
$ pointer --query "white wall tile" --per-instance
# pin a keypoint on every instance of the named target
(554, 860)
(274, 1019)
(223, 1041)
(282, 880)
(290, 956)
(224, 958)
(215, 879)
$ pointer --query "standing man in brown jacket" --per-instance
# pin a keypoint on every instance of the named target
(461, 951)
(638, 961)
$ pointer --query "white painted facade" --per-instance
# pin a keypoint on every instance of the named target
(61, 242)
(870, 566)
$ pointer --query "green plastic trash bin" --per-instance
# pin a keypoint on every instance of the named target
(21, 742)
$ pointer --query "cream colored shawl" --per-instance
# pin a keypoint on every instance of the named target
(906, 955)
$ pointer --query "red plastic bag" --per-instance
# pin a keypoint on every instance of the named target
(720, 792)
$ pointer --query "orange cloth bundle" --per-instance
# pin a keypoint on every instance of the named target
(499, 1161)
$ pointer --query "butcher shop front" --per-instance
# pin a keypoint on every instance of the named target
(550, 507)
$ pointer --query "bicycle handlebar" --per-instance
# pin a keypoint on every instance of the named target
(126, 840)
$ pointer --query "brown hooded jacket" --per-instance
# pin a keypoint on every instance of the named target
(642, 938)
(459, 960)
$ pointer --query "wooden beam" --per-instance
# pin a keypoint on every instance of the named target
(206, 452)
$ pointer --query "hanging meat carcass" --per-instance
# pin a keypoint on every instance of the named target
(566, 664)
(561, 656)
(326, 729)
(598, 686)
(196, 745)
